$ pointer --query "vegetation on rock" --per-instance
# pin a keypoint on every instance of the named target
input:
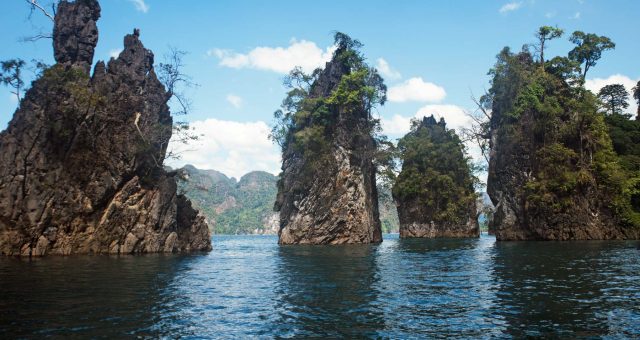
(553, 173)
(435, 191)
(331, 151)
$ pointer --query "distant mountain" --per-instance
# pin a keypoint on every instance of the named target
(230, 206)
(388, 213)
(246, 206)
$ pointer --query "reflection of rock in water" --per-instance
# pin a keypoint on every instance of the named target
(328, 292)
(90, 296)
(555, 289)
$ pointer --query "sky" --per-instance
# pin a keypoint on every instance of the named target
(434, 56)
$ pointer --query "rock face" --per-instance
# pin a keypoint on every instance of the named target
(434, 192)
(552, 171)
(81, 161)
(336, 202)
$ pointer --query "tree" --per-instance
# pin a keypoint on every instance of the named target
(544, 34)
(171, 76)
(12, 75)
(589, 48)
(636, 96)
(614, 97)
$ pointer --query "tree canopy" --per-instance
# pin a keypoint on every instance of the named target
(589, 48)
(614, 98)
(555, 120)
(436, 173)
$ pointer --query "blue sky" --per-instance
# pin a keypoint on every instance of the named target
(434, 55)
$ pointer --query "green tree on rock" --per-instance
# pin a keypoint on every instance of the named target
(589, 48)
(614, 98)
(544, 34)
(435, 189)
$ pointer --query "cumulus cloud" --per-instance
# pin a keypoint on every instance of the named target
(595, 84)
(386, 70)
(140, 5)
(305, 54)
(454, 115)
(114, 53)
(416, 89)
(234, 100)
(510, 7)
(234, 148)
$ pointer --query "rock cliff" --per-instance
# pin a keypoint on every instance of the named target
(327, 191)
(81, 160)
(552, 173)
(434, 192)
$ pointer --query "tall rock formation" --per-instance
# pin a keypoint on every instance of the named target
(327, 191)
(434, 192)
(81, 161)
(553, 174)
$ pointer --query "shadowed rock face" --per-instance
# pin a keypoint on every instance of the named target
(429, 150)
(81, 161)
(337, 203)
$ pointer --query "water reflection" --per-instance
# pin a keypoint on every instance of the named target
(328, 291)
(85, 296)
(566, 289)
(249, 287)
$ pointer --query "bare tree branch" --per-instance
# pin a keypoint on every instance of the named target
(35, 5)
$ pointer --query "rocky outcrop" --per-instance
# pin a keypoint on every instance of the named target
(333, 200)
(81, 161)
(434, 192)
(552, 171)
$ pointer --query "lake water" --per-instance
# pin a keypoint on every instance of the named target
(249, 287)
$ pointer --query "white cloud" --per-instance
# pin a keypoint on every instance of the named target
(114, 53)
(575, 16)
(509, 7)
(140, 5)
(305, 54)
(234, 100)
(416, 89)
(455, 117)
(234, 148)
(386, 70)
(551, 14)
(595, 84)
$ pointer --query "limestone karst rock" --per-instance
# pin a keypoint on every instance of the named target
(434, 192)
(329, 196)
(81, 160)
(553, 174)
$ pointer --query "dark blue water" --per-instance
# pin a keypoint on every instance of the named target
(249, 287)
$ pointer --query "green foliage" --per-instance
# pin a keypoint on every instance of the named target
(231, 207)
(556, 119)
(12, 75)
(436, 173)
(308, 114)
(614, 98)
(544, 34)
(636, 96)
(589, 48)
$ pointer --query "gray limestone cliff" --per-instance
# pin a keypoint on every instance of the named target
(330, 197)
(81, 160)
